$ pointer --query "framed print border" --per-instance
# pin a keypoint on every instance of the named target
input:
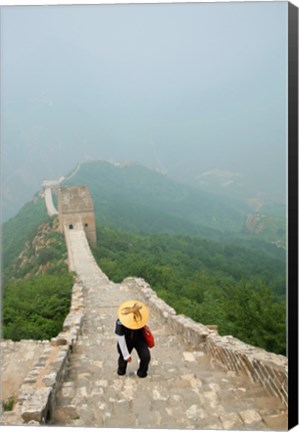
(292, 352)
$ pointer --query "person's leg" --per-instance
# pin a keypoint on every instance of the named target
(145, 357)
(122, 363)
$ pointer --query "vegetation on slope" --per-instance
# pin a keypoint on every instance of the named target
(20, 229)
(35, 307)
(240, 289)
(37, 284)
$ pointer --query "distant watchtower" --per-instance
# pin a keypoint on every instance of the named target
(75, 208)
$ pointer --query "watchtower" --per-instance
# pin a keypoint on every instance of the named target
(76, 211)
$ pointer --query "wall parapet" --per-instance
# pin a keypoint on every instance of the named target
(268, 369)
(37, 395)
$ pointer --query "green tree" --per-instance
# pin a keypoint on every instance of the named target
(35, 308)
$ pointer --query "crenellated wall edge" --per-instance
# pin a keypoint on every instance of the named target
(268, 369)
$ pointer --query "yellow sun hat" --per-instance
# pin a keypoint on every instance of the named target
(133, 314)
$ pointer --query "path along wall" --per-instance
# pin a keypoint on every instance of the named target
(51, 209)
(268, 369)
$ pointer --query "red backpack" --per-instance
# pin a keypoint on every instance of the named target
(148, 336)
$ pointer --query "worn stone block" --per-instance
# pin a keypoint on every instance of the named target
(250, 416)
(37, 406)
(276, 422)
(231, 421)
(189, 356)
(58, 341)
(194, 412)
(50, 379)
(62, 415)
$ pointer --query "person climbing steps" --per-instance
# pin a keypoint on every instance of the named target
(132, 317)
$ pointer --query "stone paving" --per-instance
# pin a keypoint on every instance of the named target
(17, 359)
(184, 389)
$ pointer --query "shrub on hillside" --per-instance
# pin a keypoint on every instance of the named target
(35, 308)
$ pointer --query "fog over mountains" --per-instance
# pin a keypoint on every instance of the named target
(194, 90)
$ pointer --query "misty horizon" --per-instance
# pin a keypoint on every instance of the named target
(189, 89)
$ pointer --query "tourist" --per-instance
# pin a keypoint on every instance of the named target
(132, 317)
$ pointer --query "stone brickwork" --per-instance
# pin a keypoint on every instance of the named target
(37, 394)
(268, 369)
(17, 359)
(75, 208)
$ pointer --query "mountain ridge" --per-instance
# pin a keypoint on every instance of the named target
(132, 188)
(140, 199)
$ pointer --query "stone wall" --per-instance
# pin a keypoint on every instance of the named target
(17, 359)
(36, 396)
(268, 369)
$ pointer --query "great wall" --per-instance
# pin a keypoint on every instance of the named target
(197, 379)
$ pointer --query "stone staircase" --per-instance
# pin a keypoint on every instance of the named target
(185, 388)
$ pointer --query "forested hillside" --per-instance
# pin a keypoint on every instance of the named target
(36, 283)
(239, 287)
(20, 229)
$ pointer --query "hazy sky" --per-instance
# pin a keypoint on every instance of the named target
(192, 87)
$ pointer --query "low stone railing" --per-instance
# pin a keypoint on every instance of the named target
(36, 397)
(268, 369)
